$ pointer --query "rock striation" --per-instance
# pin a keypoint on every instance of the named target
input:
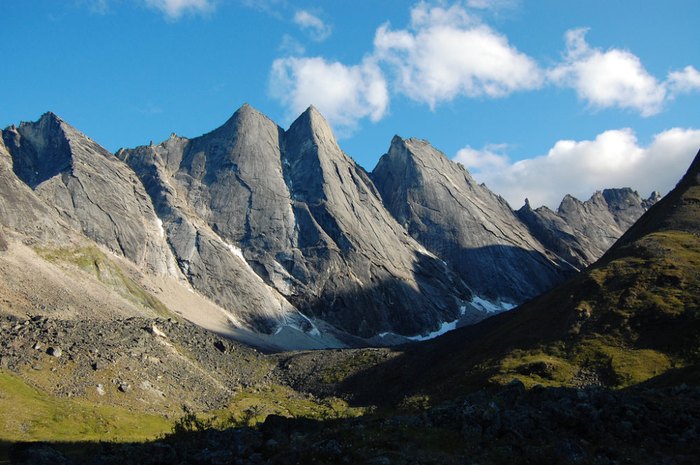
(304, 216)
(474, 230)
(89, 188)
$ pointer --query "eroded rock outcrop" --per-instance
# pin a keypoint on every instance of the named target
(89, 188)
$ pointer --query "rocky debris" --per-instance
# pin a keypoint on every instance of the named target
(183, 366)
(54, 351)
(581, 232)
(464, 223)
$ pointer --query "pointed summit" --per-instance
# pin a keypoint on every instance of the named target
(313, 126)
(476, 232)
(50, 117)
(39, 149)
(89, 187)
(245, 119)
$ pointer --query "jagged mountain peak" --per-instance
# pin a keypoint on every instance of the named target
(48, 117)
(40, 149)
(245, 119)
(427, 158)
(312, 126)
(475, 230)
(419, 153)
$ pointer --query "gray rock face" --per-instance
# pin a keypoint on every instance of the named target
(20, 209)
(581, 232)
(91, 190)
(306, 218)
(463, 222)
(276, 225)
(195, 231)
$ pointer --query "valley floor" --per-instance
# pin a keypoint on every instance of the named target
(114, 394)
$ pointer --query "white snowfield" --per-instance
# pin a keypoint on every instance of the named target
(477, 302)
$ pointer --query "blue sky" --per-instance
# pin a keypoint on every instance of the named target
(536, 98)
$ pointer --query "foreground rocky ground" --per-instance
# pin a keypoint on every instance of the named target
(156, 364)
(254, 408)
(508, 426)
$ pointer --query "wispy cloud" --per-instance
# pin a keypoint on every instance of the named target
(291, 46)
(684, 81)
(314, 26)
(175, 9)
(613, 159)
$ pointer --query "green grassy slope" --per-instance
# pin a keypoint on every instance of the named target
(27, 414)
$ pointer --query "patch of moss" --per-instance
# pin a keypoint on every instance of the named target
(535, 368)
(627, 366)
(252, 406)
(91, 260)
(27, 414)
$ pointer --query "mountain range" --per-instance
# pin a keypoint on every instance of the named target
(282, 238)
(147, 299)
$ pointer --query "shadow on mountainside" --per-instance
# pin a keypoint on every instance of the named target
(510, 425)
(404, 309)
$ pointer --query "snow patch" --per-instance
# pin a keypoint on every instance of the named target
(288, 324)
(161, 231)
(491, 307)
(425, 251)
(239, 253)
(445, 327)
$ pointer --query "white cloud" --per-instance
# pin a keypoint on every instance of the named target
(447, 53)
(174, 9)
(343, 94)
(491, 157)
(491, 4)
(313, 25)
(444, 54)
(291, 46)
(612, 78)
(613, 159)
(684, 81)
